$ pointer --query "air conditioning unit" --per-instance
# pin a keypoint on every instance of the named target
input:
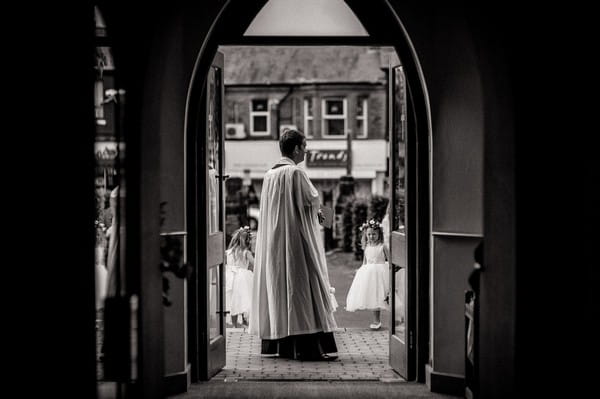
(235, 131)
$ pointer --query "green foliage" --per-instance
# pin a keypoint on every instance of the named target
(377, 207)
(360, 209)
(348, 225)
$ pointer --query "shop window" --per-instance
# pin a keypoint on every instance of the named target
(260, 120)
(334, 117)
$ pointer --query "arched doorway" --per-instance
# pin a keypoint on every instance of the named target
(499, 58)
(411, 350)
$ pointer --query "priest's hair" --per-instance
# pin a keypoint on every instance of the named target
(288, 141)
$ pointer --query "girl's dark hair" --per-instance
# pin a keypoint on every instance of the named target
(289, 139)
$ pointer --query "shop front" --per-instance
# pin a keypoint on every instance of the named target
(326, 162)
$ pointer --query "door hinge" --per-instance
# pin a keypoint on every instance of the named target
(410, 339)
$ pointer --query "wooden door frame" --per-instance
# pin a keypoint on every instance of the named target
(397, 240)
(214, 350)
(197, 222)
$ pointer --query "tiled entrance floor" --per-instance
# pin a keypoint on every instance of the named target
(363, 355)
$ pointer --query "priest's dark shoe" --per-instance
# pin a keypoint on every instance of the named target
(324, 357)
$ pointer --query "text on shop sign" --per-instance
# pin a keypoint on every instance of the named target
(326, 158)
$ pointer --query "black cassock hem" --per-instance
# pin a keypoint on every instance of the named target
(300, 347)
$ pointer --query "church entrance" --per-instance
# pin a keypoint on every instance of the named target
(355, 124)
(360, 118)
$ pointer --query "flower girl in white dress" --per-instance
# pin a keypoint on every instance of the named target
(239, 276)
(370, 287)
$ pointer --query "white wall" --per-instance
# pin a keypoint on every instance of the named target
(368, 158)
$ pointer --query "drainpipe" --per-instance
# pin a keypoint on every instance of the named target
(349, 153)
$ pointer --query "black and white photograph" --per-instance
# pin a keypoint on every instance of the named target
(310, 199)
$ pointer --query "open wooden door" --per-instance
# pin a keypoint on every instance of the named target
(206, 300)
(402, 270)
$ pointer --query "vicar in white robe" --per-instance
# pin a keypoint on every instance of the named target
(291, 305)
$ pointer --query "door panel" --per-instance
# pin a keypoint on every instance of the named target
(398, 241)
(211, 237)
(214, 303)
(216, 251)
(402, 348)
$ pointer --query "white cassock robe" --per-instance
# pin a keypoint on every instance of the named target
(291, 282)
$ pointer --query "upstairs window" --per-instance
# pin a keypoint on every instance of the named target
(361, 117)
(334, 117)
(308, 117)
(260, 119)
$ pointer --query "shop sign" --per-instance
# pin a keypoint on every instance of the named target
(326, 158)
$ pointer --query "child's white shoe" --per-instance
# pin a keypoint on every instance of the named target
(375, 326)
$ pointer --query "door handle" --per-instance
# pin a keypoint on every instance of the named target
(224, 177)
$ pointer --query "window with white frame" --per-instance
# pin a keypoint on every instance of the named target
(361, 117)
(260, 118)
(308, 117)
(334, 117)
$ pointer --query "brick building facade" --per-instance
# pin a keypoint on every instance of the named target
(326, 92)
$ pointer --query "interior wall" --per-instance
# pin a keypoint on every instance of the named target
(157, 54)
(528, 232)
(173, 89)
(498, 282)
(448, 59)
(538, 164)
(178, 47)
(457, 189)
(452, 261)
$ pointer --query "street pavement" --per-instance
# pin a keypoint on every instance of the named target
(363, 353)
(342, 267)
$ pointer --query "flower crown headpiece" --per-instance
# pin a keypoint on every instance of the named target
(372, 224)
(245, 229)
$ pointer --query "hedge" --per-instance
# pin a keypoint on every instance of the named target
(348, 224)
(359, 216)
